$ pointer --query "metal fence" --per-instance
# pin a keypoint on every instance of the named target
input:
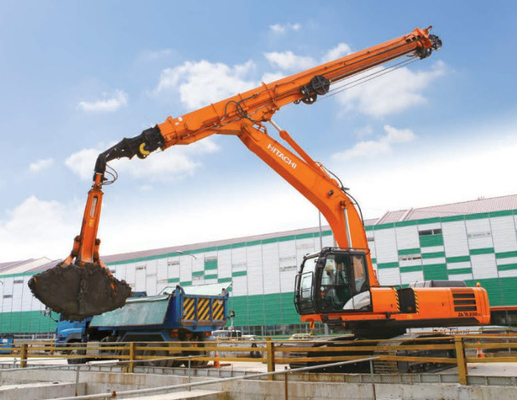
(452, 350)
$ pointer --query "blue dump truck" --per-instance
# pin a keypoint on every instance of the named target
(177, 314)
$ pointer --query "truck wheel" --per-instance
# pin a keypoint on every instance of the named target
(75, 352)
(107, 341)
(194, 362)
(159, 354)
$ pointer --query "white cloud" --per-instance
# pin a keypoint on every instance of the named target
(82, 163)
(341, 50)
(391, 93)
(373, 148)
(155, 54)
(281, 29)
(436, 174)
(175, 163)
(287, 60)
(41, 164)
(37, 228)
(109, 102)
(201, 83)
(270, 77)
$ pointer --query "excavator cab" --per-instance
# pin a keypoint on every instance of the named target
(332, 281)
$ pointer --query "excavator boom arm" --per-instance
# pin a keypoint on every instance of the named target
(242, 115)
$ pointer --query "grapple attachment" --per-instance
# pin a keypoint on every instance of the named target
(78, 292)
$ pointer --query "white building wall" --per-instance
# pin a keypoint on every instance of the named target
(455, 238)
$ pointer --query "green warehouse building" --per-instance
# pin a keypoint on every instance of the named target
(473, 241)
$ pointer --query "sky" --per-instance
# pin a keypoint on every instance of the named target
(78, 76)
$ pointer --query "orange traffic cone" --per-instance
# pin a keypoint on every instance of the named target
(479, 353)
(217, 364)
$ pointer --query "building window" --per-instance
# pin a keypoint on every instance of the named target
(410, 257)
(429, 232)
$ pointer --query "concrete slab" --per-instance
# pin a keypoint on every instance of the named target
(40, 390)
(194, 394)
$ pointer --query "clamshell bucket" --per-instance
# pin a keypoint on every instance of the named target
(78, 292)
(82, 286)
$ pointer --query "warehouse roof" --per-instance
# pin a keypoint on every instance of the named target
(480, 205)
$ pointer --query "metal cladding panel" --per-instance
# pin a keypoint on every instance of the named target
(271, 268)
(173, 268)
(455, 238)
(508, 274)
(425, 227)
(240, 285)
(409, 277)
(185, 268)
(136, 312)
(239, 271)
(18, 286)
(410, 263)
(151, 285)
(287, 265)
(506, 261)
(479, 233)
(433, 261)
(161, 269)
(407, 237)
(120, 272)
(373, 250)
(287, 249)
(130, 274)
(254, 271)
(459, 265)
(27, 297)
(389, 276)
(328, 241)
(287, 280)
(7, 295)
(504, 233)
(433, 249)
(161, 274)
(239, 260)
(484, 266)
(462, 277)
(306, 246)
(161, 284)
(197, 264)
(141, 278)
(224, 264)
(386, 246)
(151, 267)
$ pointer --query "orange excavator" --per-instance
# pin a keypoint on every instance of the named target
(337, 285)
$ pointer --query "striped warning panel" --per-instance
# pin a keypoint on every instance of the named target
(218, 310)
(189, 308)
(203, 309)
